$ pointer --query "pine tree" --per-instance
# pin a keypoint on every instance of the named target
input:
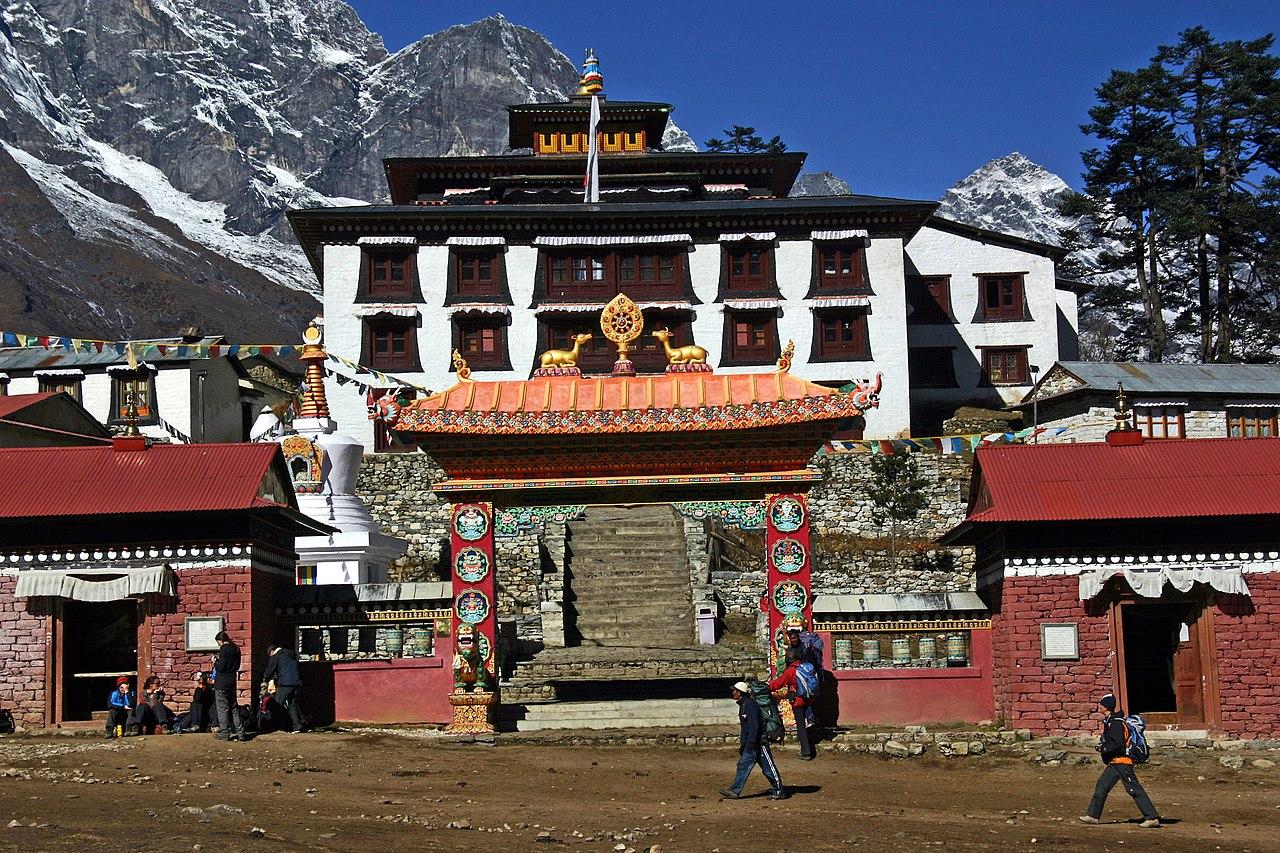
(896, 492)
(745, 140)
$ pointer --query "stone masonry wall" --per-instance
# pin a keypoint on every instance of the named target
(397, 489)
(1094, 424)
(1247, 635)
(22, 654)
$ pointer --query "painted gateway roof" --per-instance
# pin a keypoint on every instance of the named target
(668, 403)
(47, 482)
(1184, 478)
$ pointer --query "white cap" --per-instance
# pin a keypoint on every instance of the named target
(742, 687)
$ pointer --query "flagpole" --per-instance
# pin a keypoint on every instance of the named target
(592, 192)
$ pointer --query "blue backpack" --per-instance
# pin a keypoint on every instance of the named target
(806, 680)
(1135, 739)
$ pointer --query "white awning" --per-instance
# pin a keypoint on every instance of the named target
(752, 304)
(1149, 582)
(1159, 404)
(847, 234)
(723, 188)
(570, 308)
(1252, 404)
(480, 309)
(463, 191)
(97, 584)
(476, 241)
(839, 302)
(126, 369)
(373, 309)
(387, 241)
(60, 373)
(762, 236)
(618, 240)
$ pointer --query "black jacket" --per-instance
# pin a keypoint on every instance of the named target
(283, 667)
(1112, 743)
(752, 723)
(228, 666)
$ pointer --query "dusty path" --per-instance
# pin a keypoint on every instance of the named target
(383, 792)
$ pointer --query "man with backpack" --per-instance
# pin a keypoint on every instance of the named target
(753, 743)
(801, 678)
(1122, 745)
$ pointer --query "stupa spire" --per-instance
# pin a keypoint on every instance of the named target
(314, 403)
(592, 81)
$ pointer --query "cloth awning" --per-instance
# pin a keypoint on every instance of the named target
(373, 309)
(591, 307)
(620, 240)
(476, 241)
(752, 304)
(762, 236)
(885, 604)
(1149, 582)
(839, 302)
(1159, 404)
(847, 234)
(97, 584)
(479, 308)
(387, 241)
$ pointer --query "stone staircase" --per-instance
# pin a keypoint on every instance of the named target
(628, 578)
(624, 714)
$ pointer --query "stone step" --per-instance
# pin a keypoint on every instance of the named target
(658, 556)
(624, 714)
(637, 614)
(632, 588)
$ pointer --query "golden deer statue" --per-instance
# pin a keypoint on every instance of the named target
(680, 355)
(564, 357)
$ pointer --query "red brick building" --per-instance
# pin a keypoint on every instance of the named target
(1147, 568)
(125, 558)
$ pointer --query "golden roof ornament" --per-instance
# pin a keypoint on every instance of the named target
(1123, 416)
(622, 322)
(460, 367)
(314, 404)
(788, 353)
(592, 81)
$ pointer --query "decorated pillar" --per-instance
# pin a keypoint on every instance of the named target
(475, 638)
(789, 560)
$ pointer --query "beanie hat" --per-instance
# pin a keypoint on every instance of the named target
(742, 687)
(124, 679)
(1108, 702)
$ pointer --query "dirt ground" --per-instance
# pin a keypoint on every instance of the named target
(379, 790)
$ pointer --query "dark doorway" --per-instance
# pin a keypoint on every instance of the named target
(99, 644)
(1163, 669)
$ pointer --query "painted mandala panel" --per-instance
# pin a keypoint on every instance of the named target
(471, 522)
(788, 556)
(471, 565)
(787, 515)
(790, 597)
(472, 607)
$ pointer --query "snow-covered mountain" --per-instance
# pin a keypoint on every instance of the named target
(149, 149)
(819, 183)
(1013, 195)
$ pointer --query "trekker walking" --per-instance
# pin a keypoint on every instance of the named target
(801, 678)
(224, 688)
(1114, 746)
(282, 667)
(753, 747)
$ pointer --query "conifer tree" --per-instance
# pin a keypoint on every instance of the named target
(896, 492)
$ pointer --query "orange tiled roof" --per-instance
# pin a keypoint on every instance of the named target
(671, 402)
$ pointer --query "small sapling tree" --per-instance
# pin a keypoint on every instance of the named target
(897, 493)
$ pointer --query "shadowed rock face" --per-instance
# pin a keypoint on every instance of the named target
(819, 183)
(249, 106)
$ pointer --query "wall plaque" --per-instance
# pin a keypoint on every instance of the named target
(1059, 641)
(200, 633)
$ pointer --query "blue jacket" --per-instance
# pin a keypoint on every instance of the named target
(751, 722)
(122, 700)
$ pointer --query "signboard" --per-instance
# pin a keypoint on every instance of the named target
(200, 633)
(1059, 641)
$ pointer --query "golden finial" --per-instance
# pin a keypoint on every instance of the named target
(622, 322)
(592, 81)
(314, 404)
(788, 352)
(1123, 416)
(460, 367)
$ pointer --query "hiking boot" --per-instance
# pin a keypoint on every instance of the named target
(1088, 818)
(808, 757)
(779, 795)
(1150, 823)
(730, 794)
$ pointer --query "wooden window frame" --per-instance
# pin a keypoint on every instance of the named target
(1265, 422)
(1013, 312)
(833, 319)
(1146, 420)
(466, 325)
(471, 261)
(603, 280)
(375, 327)
(736, 354)
(838, 283)
(1022, 365)
(746, 282)
(73, 388)
(388, 287)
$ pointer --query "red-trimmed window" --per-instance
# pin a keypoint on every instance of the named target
(1252, 423)
(648, 270)
(1005, 365)
(841, 334)
(752, 337)
(390, 273)
(1001, 297)
(1160, 421)
(477, 272)
(747, 267)
(839, 267)
(482, 341)
(391, 344)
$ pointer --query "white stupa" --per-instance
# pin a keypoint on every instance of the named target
(324, 464)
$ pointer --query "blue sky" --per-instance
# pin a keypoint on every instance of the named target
(898, 98)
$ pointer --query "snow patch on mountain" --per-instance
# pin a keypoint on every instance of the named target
(1012, 195)
(819, 183)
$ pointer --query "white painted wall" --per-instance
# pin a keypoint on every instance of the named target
(936, 252)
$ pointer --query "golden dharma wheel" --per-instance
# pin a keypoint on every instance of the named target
(622, 322)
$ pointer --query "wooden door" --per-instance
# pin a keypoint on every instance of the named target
(1188, 675)
(1191, 661)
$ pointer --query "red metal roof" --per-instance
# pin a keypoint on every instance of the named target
(671, 402)
(43, 482)
(18, 402)
(1179, 478)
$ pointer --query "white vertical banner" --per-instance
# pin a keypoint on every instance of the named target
(592, 179)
